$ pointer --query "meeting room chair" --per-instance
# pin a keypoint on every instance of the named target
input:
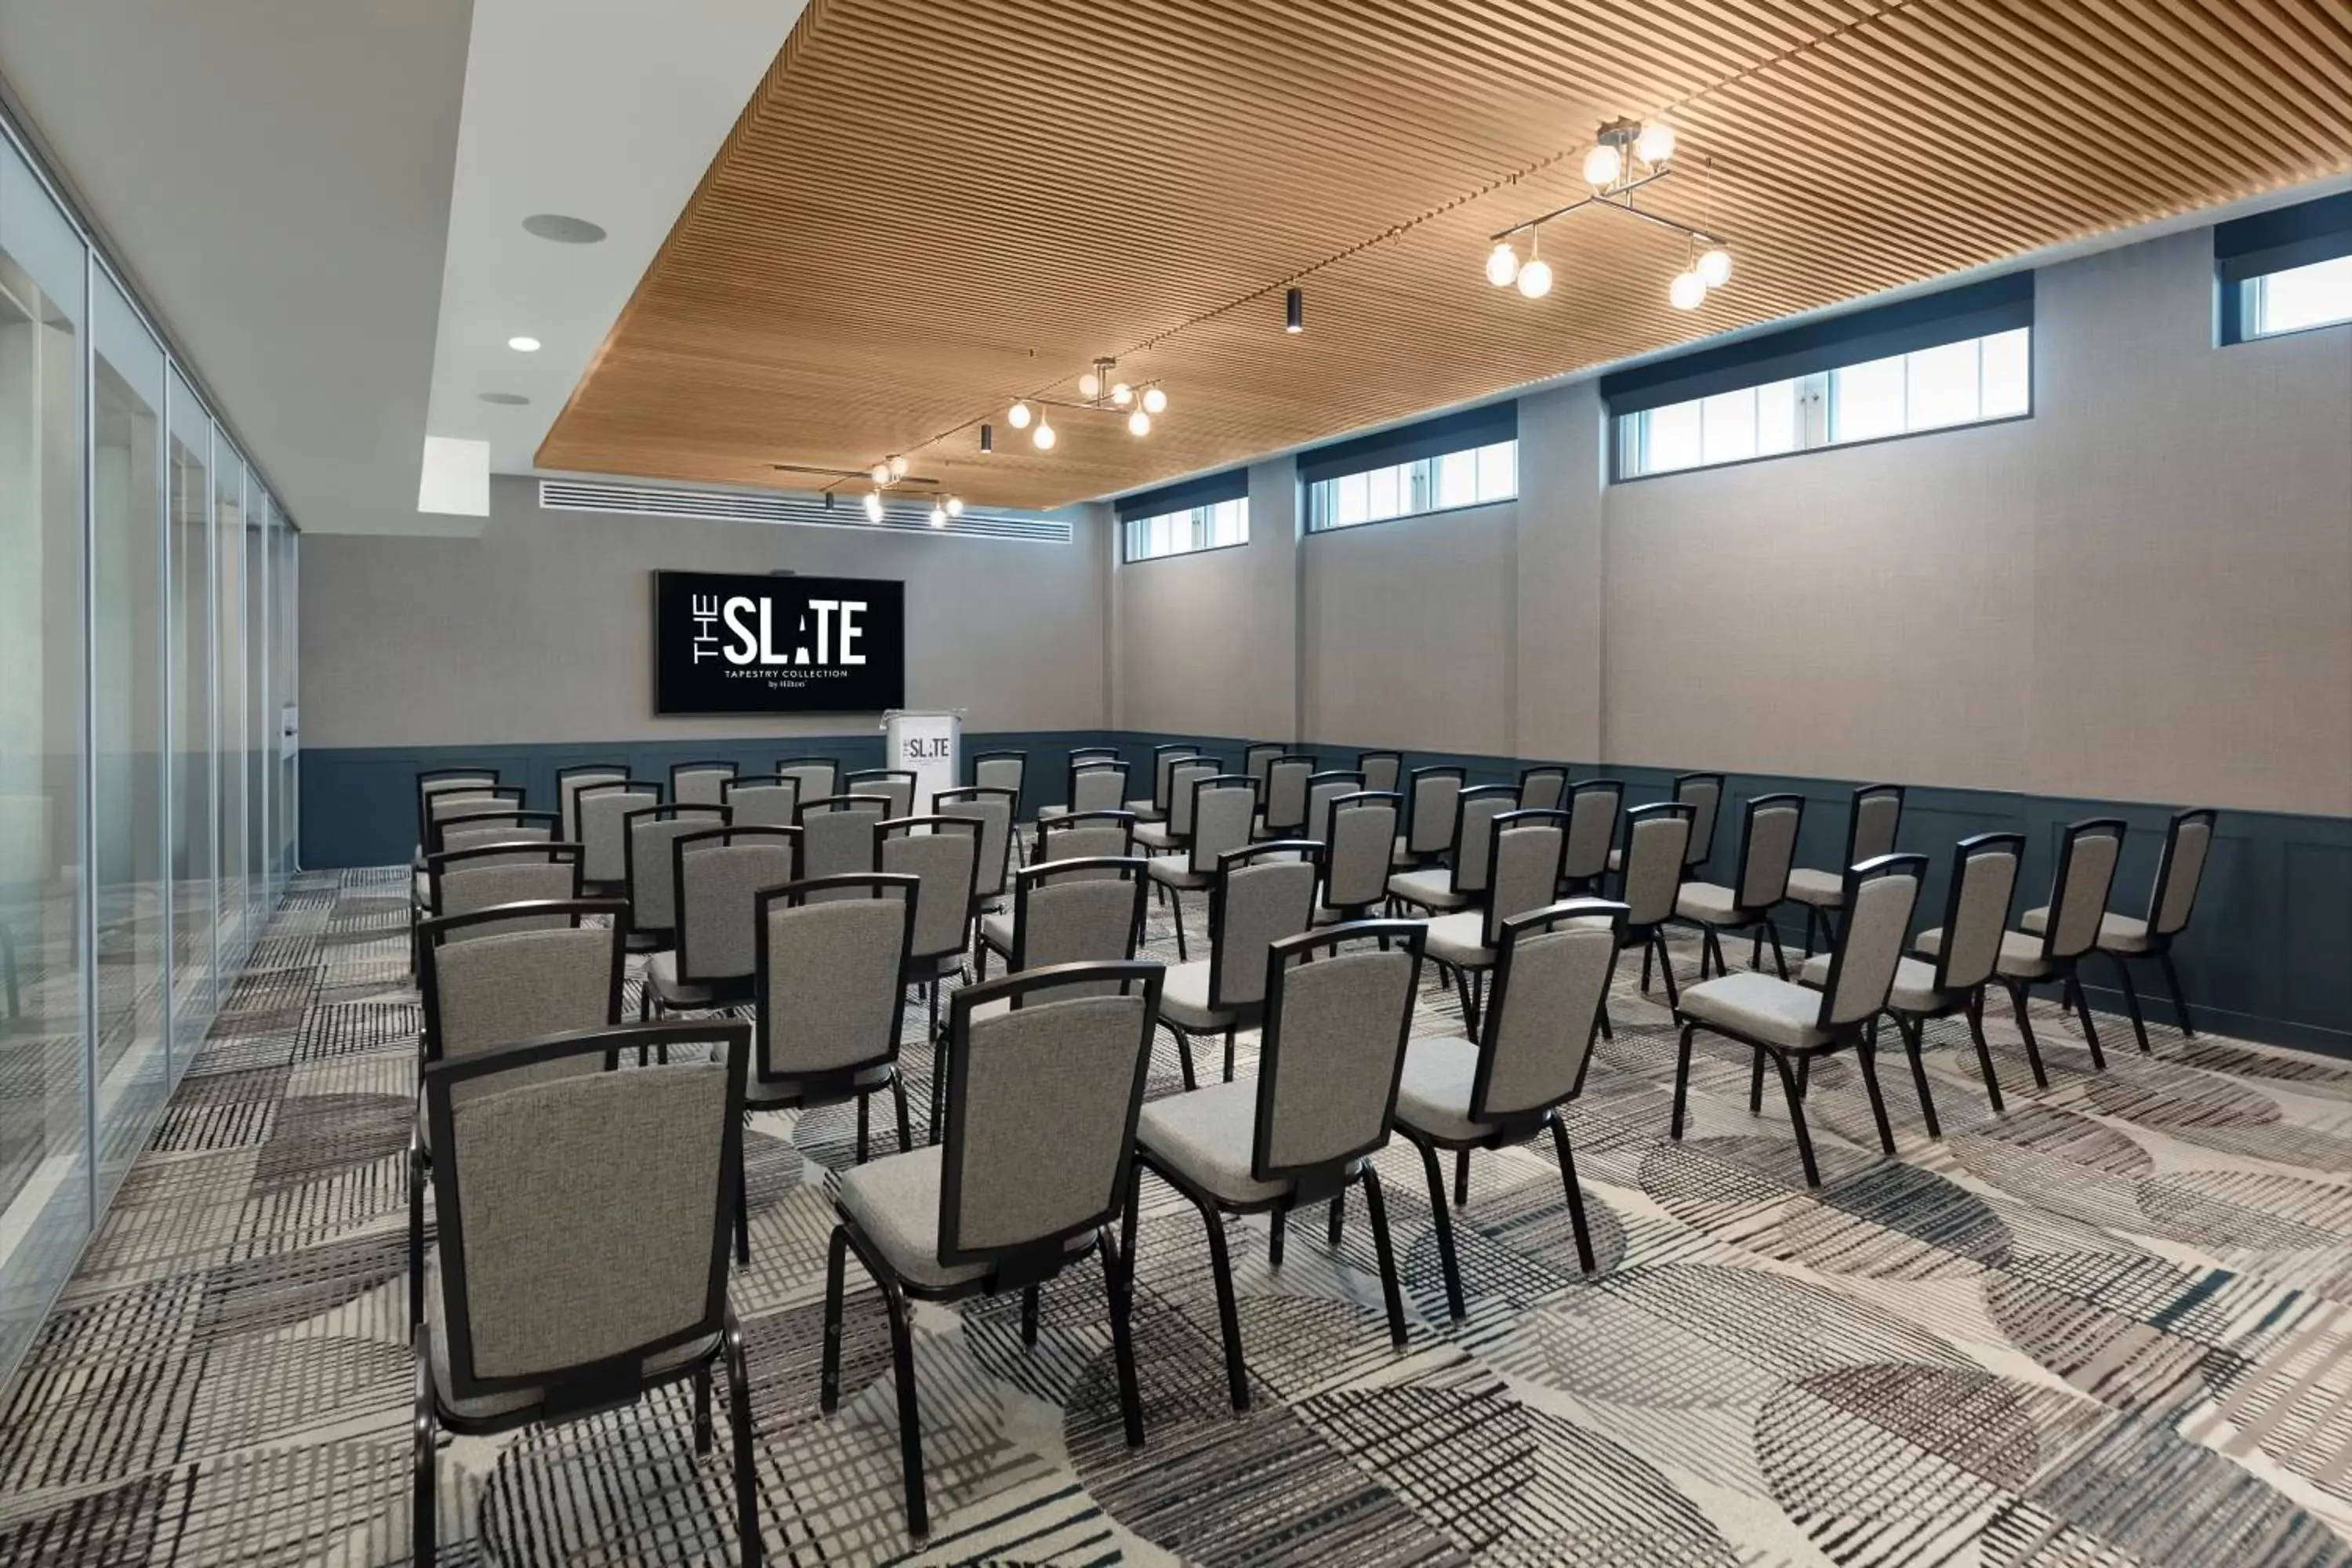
(1096, 784)
(1593, 809)
(1511, 1075)
(1154, 807)
(2188, 841)
(1522, 859)
(479, 876)
(571, 781)
(814, 776)
(1261, 894)
(544, 1307)
(464, 820)
(432, 783)
(492, 976)
(993, 809)
(1651, 885)
(1041, 1117)
(2087, 854)
(649, 868)
(452, 805)
(1432, 797)
(1283, 810)
(497, 827)
(837, 835)
(1976, 912)
(1215, 815)
(603, 810)
(1703, 793)
(1322, 789)
(1358, 842)
(1076, 755)
(1768, 848)
(718, 872)
(1091, 835)
(1460, 882)
(760, 800)
(1172, 829)
(1872, 824)
(1081, 910)
(896, 786)
(1338, 1007)
(1790, 1024)
(700, 784)
(1543, 787)
(1001, 769)
(831, 955)
(1381, 769)
(1256, 758)
(943, 853)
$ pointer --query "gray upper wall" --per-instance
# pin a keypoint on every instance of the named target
(541, 630)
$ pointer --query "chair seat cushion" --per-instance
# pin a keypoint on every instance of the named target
(1184, 997)
(1144, 810)
(2020, 955)
(997, 931)
(1460, 939)
(896, 1202)
(1154, 835)
(2117, 933)
(1434, 1094)
(1431, 889)
(1915, 984)
(790, 1091)
(661, 974)
(1758, 1007)
(1176, 871)
(1822, 890)
(1047, 813)
(1204, 1135)
(1709, 903)
(513, 1403)
(1401, 855)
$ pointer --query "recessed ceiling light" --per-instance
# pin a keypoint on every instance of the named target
(561, 229)
(505, 399)
(523, 345)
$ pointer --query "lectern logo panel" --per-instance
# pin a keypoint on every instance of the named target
(725, 644)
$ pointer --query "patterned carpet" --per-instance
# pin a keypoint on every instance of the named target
(2106, 1328)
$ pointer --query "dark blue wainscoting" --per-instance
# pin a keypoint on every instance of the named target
(2267, 956)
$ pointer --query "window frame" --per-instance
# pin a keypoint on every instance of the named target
(1311, 512)
(1128, 557)
(2249, 249)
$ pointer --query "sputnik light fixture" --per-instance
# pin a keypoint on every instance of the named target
(1624, 158)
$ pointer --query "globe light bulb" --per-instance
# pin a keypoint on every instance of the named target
(1154, 400)
(1042, 436)
(955, 506)
(1018, 416)
(899, 466)
(1655, 144)
(1502, 265)
(1090, 386)
(938, 515)
(1535, 278)
(1139, 423)
(880, 473)
(1688, 291)
(1122, 394)
(1602, 165)
(1715, 267)
(872, 506)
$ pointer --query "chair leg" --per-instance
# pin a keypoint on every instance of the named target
(934, 989)
(2025, 1029)
(1576, 1221)
(1812, 917)
(864, 1102)
(898, 1104)
(1229, 1052)
(910, 1421)
(424, 1458)
(1666, 968)
(1338, 1223)
(1914, 1034)
(2131, 999)
(1117, 1288)
(1974, 1012)
(1229, 1323)
(1755, 1085)
(1867, 1050)
(2083, 1011)
(1029, 1317)
(2172, 984)
(1779, 958)
(1607, 1031)
(1183, 1055)
(939, 1087)
(1646, 945)
(1469, 1004)
(829, 1385)
(1682, 1079)
(702, 1428)
(1277, 1229)
(415, 1235)
(1179, 901)
(739, 1414)
(1445, 1256)
(1797, 1121)
(1462, 1178)
(1386, 1253)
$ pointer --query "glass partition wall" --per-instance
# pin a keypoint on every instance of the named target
(147, 810)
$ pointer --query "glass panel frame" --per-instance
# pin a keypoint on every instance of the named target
(1489, 474)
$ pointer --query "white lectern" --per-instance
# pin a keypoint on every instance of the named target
(929, 745)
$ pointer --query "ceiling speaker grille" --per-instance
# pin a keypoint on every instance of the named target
(798, 510)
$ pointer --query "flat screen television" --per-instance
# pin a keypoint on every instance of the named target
(731, 643)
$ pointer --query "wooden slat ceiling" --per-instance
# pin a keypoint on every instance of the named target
(927, 210)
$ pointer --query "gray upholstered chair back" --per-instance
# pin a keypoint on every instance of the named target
(1321, 791)
(1657, 839)
(1333, 1045)
(1703, 793)
(1473, 833)
(1223, 806)
(1098, 786)
(837, 835)
(537, 1281)
(1551, 974)
(1543, 787)
(482, 883)
(1522, 866)
(992, 808)
(1041, 1106)
(1088, 838)
(2087, 873)
(1185, 774)
(2186, 846)
(1163, 764)
(945, 860)
(1007, 772)
(461, 782)
(653, 880)
(453, 837)
(454, 805)
(1592, 808)
(1285, 794)
(1078, 912)
(1436, 796)
(719, 875)
(570, 782)
(1258, 758)
(603, 810)
(1361, 842)
(1262, 895)
(814, 776)
(1768, 849)
(702, 784)
(503, 985)
(1381, 769)
(1880, 896)
(896, 786)
(829, 976)
(1984, 880)
(763, 803)
(1877, 820)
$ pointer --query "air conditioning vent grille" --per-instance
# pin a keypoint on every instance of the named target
(799, 511)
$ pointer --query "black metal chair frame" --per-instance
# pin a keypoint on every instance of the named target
(1615, 790)
(1853, 830)
(1541, 770)
(1651, 938)
(1755, 918)
(2064, 970)
(1241, 1016)
(1965, 1001)
(1419, 855)
(731, 990)
(2160, 943)
(922, 968)
(968, 795)
(1359, 800)
(1265, 796)
(644, 938)
(1469, 981)
(580, 820)
(1187, 843)
(1701, 848)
